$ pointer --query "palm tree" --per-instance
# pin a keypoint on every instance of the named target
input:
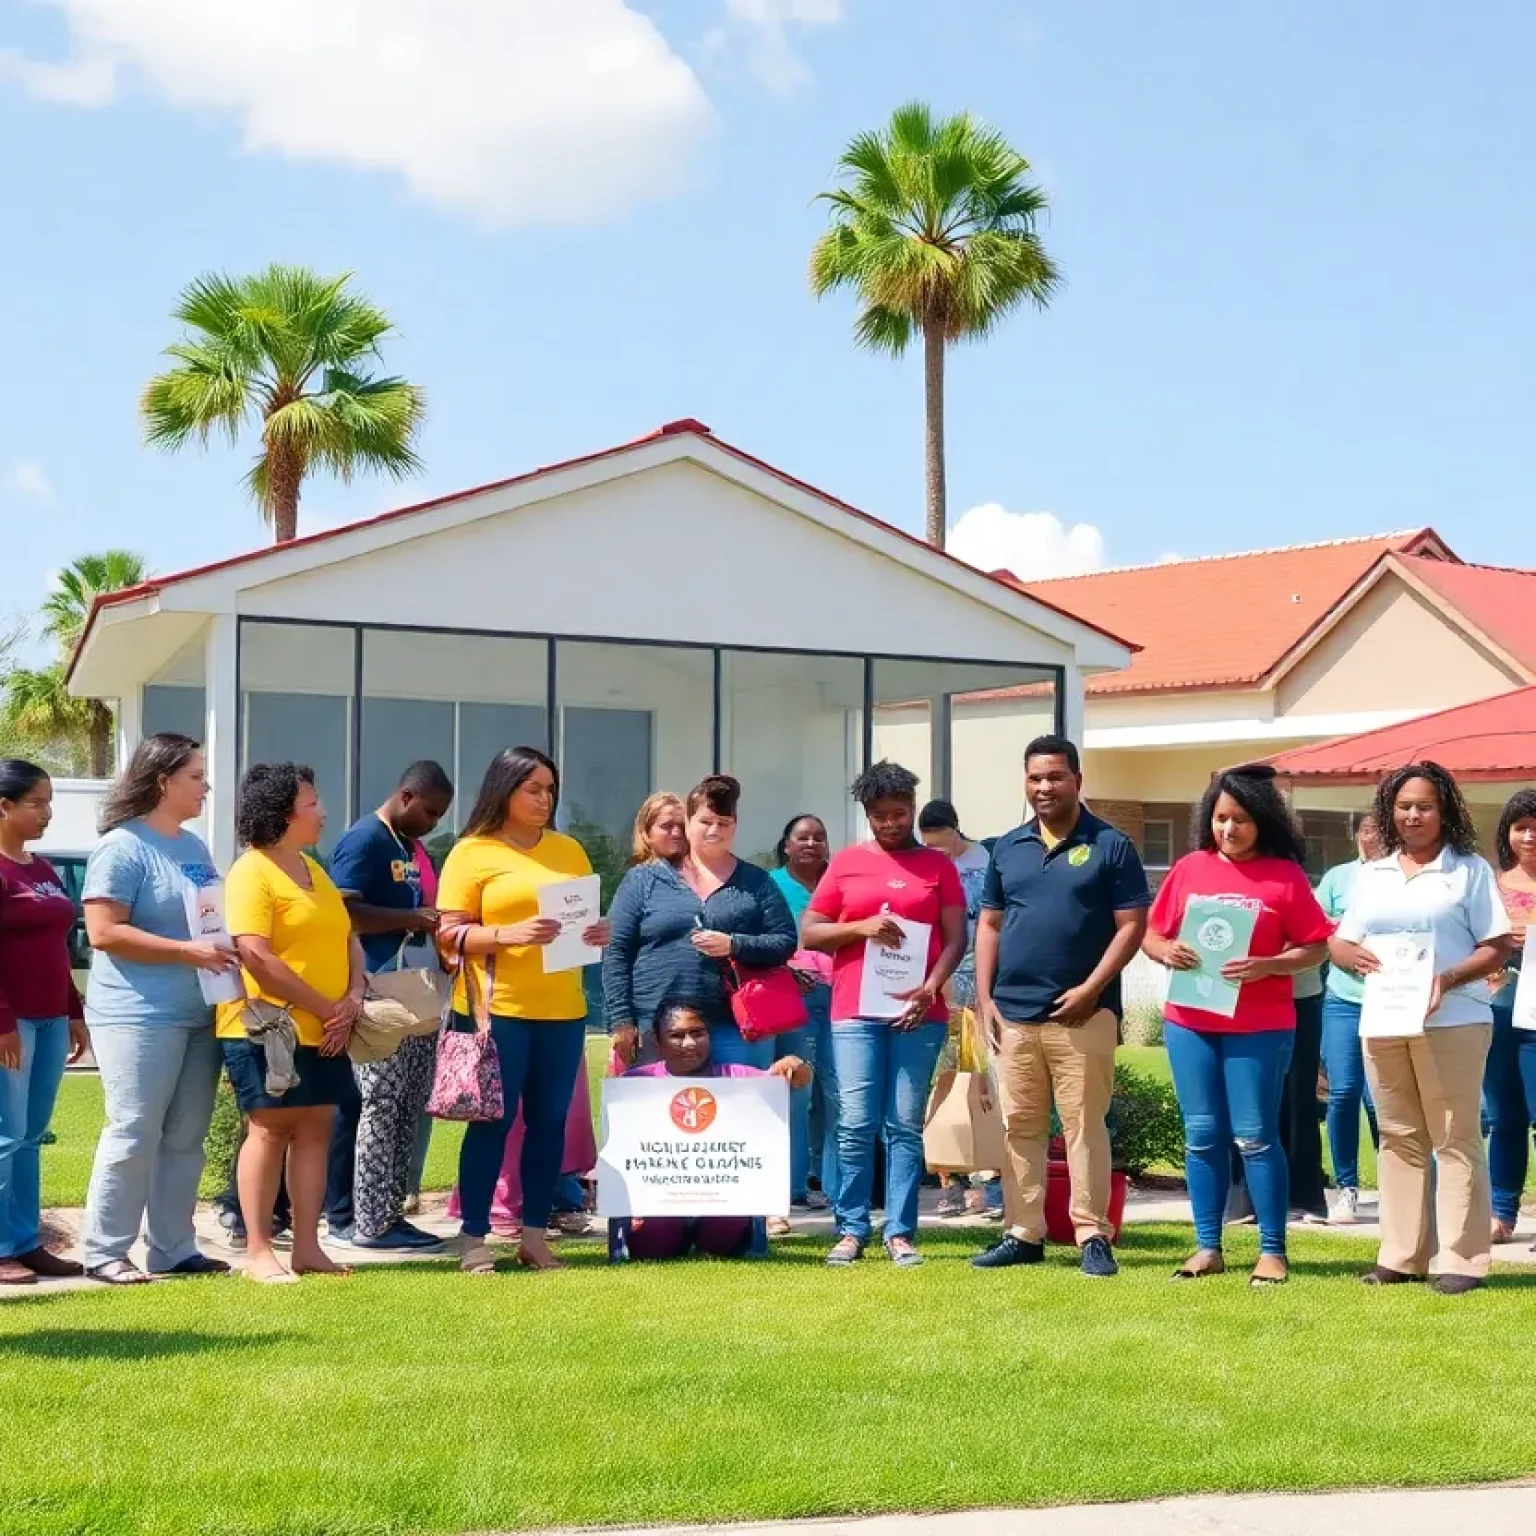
(38, 708)
(934, 230)
(286, 347)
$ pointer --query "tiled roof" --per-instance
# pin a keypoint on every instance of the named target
(1225, 621)
(1491, 740)
(1496, 600)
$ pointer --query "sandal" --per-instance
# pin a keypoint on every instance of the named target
(1502, 1231)
(903, 1255)
(778, 1226)
(476, 1258)
(1256, 1281)
(118, 1272)
(1218, 1266)
(527, 1261)
(848, 1250)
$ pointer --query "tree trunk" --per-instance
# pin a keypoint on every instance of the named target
(933, 435)
(285, 474)
(101, 730)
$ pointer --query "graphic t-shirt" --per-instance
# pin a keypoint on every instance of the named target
(148, 873)
(919, 884)
(36, 916)
(498, 885)
(378, 867)
(309, 931)
(1286, 914)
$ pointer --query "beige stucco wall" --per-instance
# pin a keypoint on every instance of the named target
(1178, 774)
(1392, 650)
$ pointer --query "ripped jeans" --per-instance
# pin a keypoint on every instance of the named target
(1229, 1089)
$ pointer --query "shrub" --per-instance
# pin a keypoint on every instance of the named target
(1142, 1025)
(1145, 1126)
(222, 1143)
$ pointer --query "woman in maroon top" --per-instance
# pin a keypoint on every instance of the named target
(42, 1025)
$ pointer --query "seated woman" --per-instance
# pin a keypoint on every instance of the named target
(682, 1041)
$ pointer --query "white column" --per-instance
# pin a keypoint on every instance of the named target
(223, 705)
(1072, 704)
(130, 725)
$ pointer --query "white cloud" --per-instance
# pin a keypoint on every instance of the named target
(1170, 557)
(546, 112)
(768, 27)
(1032, 545)
(27, 479)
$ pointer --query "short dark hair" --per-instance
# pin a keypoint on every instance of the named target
(1054, 746)
(719, 791)
(268, 793)
(426, 778)
(938, 816)
(1253, 787)
(1457, 828)
(781, 848)
(18, 778)
(509, 769)
(884, 780)
(1521, 807)
(669, 1008)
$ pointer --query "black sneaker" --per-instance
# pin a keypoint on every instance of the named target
(1010, 1251)
(1098, 1259)
(401, 1238)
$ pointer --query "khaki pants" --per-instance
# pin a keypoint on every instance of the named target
(1077, 1067)
(1428, 1091)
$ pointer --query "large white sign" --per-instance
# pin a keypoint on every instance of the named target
(694, 1146)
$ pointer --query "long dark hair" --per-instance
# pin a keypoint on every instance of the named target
(138, 790)
(1457, 829)
(509, 770)
(18, 778)
(781, 848)
(1253, 787)
(1521, 807)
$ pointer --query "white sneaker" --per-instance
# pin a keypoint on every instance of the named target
(1346, 1208)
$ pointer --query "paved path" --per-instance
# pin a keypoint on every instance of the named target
(1503, 1511)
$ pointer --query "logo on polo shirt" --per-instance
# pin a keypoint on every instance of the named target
(1079, 855)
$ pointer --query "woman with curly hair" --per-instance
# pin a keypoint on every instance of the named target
(885, 1059)
(1427, 1085)
(297, 953)
(1509, 1080)
(1229, 1069)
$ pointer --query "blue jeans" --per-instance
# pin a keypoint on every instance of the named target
(1344, 1062)
(1509, 1107)
(727, 1048)
(1229, 1089)
(158, 1081)
(27, 1097)
(538, 1060)
(884, 1076)
(802, 1043)
(822, 1114)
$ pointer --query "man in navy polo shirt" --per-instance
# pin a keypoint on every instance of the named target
(1063, 911)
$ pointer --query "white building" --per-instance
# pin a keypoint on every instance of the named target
(649, 613)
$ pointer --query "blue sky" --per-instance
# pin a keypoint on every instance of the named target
(1297, 240)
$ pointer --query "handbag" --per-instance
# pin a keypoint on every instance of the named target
(466, 1081)
(397, 1004)
(963, 1130)
(765, 1002)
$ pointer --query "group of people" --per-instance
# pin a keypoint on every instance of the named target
(1031, 935)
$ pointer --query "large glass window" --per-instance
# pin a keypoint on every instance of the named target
(791, 729)
(297, 696)
(172, 708)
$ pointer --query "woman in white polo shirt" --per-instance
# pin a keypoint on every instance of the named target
(1428, 1086)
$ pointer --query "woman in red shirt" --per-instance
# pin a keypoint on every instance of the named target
(42, 1025)
(891, 913)
(1229, 1066)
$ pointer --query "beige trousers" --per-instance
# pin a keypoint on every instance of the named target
(1428, 1092)
(1077, 1067)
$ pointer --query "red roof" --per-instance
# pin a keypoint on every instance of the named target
(1498, 601)
(1225, 621)
(1491, 740)
(688, 426)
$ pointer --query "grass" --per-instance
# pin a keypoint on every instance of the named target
(417, 1400)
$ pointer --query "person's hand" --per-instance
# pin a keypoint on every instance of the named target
(10, 1050)
(597, 934)
(883, 929)
(918, 1003)
(716, 945)
(79, 1041)
(345, 1013)
(1251, 969)
(626, 1042)
(1437, 989)
(794, 1071)
(335, 1038)
(1180, 957)
(534, 931)
(805, 980)
(421, 920)
(1075, 1006)
(991, 1023)
(1517, 936)
(208, 956)
(1356, 958)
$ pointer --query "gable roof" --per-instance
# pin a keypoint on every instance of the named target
(684, 438)
(1224, 621)
(1497, 600)
(1492, 740)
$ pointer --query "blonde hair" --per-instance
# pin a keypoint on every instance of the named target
(646, 818)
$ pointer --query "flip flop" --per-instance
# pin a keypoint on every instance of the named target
(118, 1272)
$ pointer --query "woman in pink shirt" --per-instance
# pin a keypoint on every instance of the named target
(1228, 1070)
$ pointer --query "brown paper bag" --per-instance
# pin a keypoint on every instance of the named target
(963, 1131)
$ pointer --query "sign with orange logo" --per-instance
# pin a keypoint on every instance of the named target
(714, 1146)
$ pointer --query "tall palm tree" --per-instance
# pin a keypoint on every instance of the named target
(285, 347)
(38, 708)
(934, 229)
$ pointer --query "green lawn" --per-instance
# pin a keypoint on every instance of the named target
(415, 1399)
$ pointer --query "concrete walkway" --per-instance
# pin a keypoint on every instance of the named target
(1502, 1511)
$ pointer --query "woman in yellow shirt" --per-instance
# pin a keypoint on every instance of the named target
(489, 899)
(297, 950)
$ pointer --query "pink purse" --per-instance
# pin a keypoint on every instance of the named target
(767, 1002)
(466, 1082)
